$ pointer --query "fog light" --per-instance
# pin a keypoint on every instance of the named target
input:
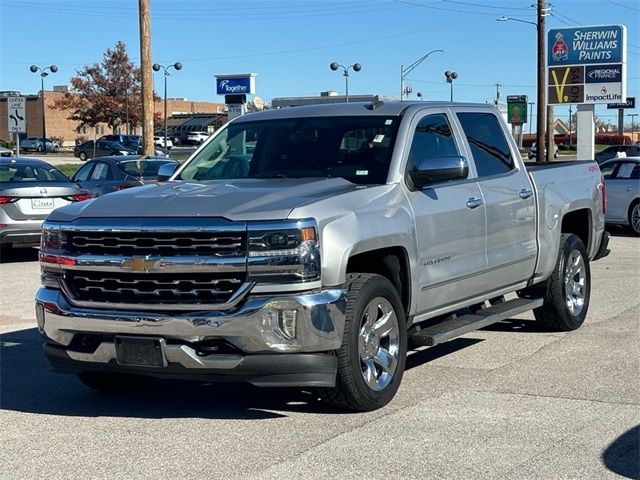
(287, 320)
(40, 317)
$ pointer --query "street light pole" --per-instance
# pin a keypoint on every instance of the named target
(542, 12)
(406, 71)
(345, 72)
(43, 73)
(531, 104)
(451, 76)
(156, 67)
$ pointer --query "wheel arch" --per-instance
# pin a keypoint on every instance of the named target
(390, 262)
(579, 222)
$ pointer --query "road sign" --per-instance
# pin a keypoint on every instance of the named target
(630, 103)
(517, 109)
(587, 65)
(16, 114)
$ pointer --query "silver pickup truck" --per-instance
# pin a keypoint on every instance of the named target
(312, 246)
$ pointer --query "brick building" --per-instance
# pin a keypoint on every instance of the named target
(58, 125)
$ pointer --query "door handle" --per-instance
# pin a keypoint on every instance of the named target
(474, 203)
(628, 189)
(524, 194)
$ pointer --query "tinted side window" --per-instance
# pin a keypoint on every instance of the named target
(488, 144)
(83, 174)
(101, 172)
(432, 138)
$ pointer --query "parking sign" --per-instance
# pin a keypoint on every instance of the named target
(16, 114)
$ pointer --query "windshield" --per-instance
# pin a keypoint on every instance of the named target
(357, 149)
(137, 168)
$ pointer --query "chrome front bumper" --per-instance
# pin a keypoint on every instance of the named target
(251, 327)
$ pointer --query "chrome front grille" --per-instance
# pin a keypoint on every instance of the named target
(157, 288)
(219, 244)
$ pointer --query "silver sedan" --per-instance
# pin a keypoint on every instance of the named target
(29, 190)
(622, 181)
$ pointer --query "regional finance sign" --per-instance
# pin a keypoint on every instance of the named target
(587, 64)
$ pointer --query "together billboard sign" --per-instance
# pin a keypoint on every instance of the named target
(587, 64)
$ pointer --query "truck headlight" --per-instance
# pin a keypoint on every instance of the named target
(284, 252)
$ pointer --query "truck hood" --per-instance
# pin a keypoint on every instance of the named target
(239, 200)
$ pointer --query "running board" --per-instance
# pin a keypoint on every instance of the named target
(457, 326)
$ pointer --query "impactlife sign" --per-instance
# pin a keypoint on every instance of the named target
(587, 64)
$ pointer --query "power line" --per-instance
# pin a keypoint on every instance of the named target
(487, 6)
(444, 9)
(624, 6)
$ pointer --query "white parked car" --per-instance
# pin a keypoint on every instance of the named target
(158, 141)
(622, 181)
(197, 137)
(36, 144)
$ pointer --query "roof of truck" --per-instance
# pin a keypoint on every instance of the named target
(352, 109)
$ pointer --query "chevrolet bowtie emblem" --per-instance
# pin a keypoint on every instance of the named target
(139, 264)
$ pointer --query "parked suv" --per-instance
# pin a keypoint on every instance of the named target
(197, 137)
(128, 141)
(618, 151)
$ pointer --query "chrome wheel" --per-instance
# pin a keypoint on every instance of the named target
(575, 283)
(635, 218)
(379, 343)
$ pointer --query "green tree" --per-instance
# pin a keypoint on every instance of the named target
(109, 92)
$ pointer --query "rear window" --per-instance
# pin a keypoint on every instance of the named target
(30, 173)
(143, 168)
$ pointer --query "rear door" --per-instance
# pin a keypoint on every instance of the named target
(623, 182)
(100, 180)
(509, 198)
(450, 220)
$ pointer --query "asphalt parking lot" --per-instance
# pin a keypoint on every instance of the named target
(509, 401)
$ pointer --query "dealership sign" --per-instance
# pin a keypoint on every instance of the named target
(630, 103)
(236, 84)
(587, 64)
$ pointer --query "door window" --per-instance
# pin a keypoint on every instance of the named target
(488, 144)
(101, 172)
(628, 171)
(432, 138)
(82, 175)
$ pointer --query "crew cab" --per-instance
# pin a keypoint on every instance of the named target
(310, 246)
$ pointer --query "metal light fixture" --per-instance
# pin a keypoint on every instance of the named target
(345, 72)
(451, 76)
(404, 71)
(156, 68)
(43, 73)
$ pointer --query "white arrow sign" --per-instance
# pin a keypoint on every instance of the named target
(17, 114)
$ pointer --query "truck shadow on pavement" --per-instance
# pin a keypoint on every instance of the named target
(28, 385)
(622, 456)
(18, 255)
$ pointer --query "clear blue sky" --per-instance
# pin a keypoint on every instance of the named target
(290, 43)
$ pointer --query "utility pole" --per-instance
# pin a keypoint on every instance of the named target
(498, 85)
(147, 78)
(570, 125)
(531, 104)
(540, 140)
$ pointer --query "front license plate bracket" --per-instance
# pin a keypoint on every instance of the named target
(140, 351)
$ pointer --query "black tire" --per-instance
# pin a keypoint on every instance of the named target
(39, 149)
(352, 391)
(567, 296)
(56, 148)
(634, 217)
(82, 156)
(116, 383)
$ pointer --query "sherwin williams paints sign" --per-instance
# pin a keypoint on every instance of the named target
(236, 84)
(587, 64)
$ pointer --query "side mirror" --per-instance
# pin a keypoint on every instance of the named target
(439, 169)
(166, 170)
